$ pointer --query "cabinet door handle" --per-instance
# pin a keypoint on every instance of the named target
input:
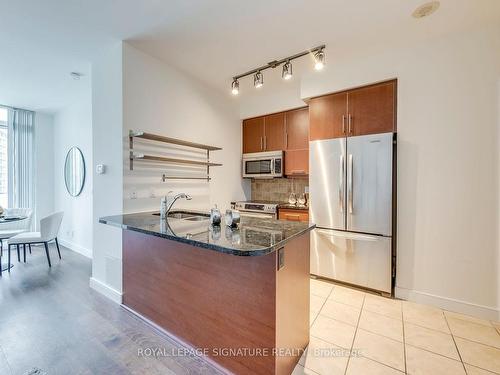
(292, 217)
(343, 124)
(265, 143)
(286, 140)
(298, 171)
(350, 123)
(261, 144)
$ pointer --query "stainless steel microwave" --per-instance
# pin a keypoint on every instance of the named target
(263, 164)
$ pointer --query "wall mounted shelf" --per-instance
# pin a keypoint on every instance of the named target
(174, 141)
(167, 160)
(162, 159)
(165, 178)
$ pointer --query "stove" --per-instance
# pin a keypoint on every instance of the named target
(262, 209)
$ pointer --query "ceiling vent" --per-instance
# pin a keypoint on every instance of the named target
(426, 9)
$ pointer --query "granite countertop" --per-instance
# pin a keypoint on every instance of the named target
(253, 236)
(293, 207)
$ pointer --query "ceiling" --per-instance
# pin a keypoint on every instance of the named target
(41, 42)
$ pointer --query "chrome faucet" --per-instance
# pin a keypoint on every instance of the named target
(167, 203)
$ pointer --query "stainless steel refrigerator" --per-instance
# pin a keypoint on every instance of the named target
(351, 203)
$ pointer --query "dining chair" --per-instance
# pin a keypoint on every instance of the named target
(11, 228)
(49, 227)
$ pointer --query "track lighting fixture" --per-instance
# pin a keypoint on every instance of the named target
(319, 58)
(286, 73)
(258, 80)
(235, 87)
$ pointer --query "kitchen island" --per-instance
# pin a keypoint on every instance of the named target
(240, 296)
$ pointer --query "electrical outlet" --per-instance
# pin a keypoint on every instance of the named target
(306, 189)
(133, 195)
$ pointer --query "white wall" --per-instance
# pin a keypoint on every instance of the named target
(132, 90)
(162, 100)
(73, 127)
(447, 162)
(44, 159)
(107, 114)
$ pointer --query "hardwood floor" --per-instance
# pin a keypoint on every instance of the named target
(50, 319)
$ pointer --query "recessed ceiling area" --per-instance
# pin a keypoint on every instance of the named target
(42, 42)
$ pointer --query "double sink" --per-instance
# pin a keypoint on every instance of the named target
(186, 215)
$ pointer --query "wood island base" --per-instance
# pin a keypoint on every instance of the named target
(247, 315)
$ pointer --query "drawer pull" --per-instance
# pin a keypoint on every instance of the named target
(292, 217)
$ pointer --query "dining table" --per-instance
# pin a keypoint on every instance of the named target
(8, 219)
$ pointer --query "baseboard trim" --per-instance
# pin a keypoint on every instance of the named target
(76, 248)
(106, 290)
(450, 304)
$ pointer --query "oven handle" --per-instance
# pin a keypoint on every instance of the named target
(258, 214)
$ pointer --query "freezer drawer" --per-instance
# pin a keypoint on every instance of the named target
(358, 259)
(327, 183)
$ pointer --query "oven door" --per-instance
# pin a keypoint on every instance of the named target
(258, 168)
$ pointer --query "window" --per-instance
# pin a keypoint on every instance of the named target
(4, 166)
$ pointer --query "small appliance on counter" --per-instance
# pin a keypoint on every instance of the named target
(232, 218)
(215, 216)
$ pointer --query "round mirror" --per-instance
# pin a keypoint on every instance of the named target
(74, 171)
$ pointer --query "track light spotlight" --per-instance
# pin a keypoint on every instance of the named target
(287, 71)
(258, 80)
(319, 58)
(235, 87)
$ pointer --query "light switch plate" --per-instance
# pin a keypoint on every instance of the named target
(100, 169)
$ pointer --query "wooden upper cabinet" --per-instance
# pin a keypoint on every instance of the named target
(274, 132)
(372, 109)
(297, 129)
(327, 116)
(297, 162)
(253, 135)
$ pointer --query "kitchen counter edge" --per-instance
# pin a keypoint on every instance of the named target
(108, 220)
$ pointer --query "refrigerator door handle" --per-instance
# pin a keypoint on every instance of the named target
(341, 184)
(350, 184)
(348, 235)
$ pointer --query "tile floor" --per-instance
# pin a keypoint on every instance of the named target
(353, 332)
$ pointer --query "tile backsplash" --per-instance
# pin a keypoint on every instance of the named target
(278, 189)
